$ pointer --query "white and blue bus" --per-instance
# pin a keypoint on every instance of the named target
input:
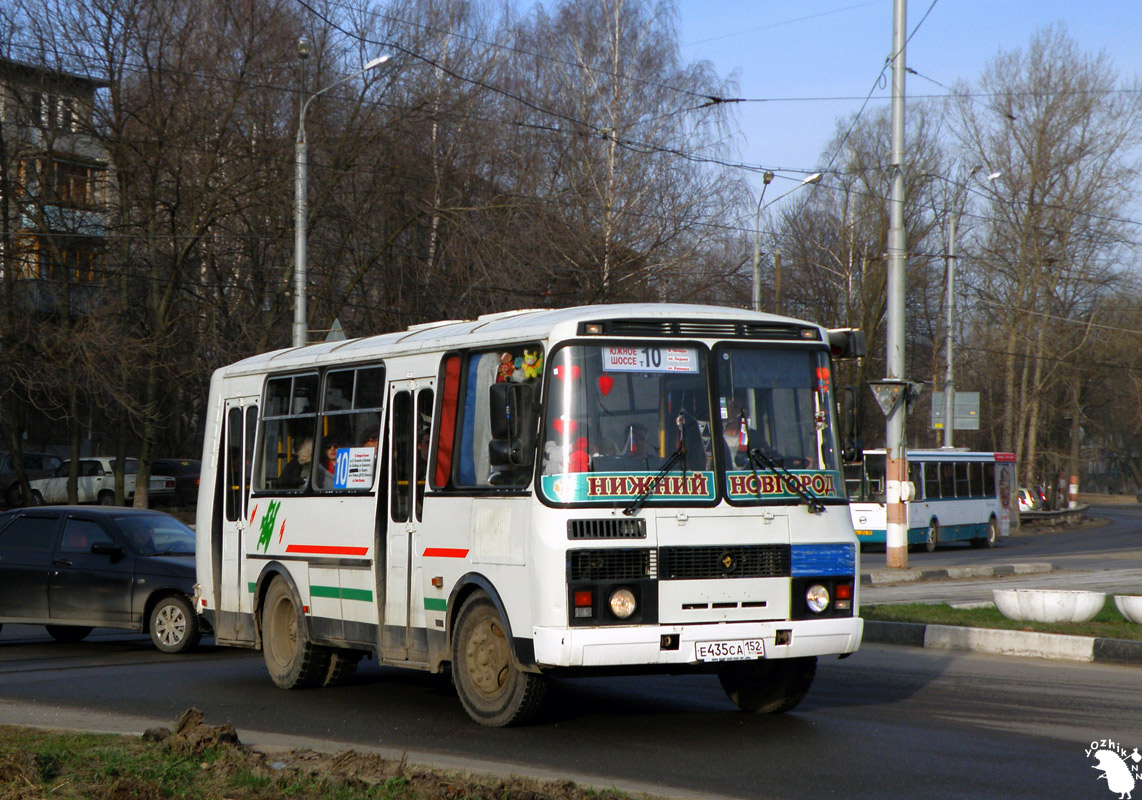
(535, 493)
(952, 496)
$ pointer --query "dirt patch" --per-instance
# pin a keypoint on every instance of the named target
(227, 765)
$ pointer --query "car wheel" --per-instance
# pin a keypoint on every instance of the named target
(68, 633)
(14, 498)
(106, 498)
(293, 661)
(174, 625)
(37, 498)
(492, 688)
(768, 687)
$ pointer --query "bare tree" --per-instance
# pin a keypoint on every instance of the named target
(1063, 138)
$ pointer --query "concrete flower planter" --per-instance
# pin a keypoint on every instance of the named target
(1048, 605)
(1130, 606)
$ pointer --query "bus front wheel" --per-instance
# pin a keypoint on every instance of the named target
(768, 687)
(933, 537)
(492, 688)
(292, 660)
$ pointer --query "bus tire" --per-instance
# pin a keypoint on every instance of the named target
(992, 537)
(933, 537)
(768, 686)
(292, 660)
(342, 664)
(491, 686)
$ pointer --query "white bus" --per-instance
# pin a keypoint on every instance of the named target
(536, 493)
(956, 495)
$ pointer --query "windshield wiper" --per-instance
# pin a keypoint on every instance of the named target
(674, 458)
(790, 480)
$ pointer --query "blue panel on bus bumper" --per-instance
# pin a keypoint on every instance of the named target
(822, 559)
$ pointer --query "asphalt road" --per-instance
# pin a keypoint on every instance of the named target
(886, 721)
(1112, 541)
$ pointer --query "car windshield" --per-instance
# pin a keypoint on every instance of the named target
(156, 534)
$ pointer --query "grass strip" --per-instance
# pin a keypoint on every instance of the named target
(1108, 623)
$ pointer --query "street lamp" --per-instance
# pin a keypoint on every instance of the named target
(766, 178)
(949, 309)
(301, 160)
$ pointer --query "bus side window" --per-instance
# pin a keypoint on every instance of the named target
(916, 477)
(976, 476)
(288, 424)
(517, 364)
(931, 481)
(947, 480)
(423, 445)
(401, 452)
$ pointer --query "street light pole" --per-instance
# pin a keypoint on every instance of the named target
(766, 178)
(950, 310)
(301, 212)
(950, 307)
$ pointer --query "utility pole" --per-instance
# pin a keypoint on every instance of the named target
(950, 310)
(896, 469)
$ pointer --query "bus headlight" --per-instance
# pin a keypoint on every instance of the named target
(817, 598)
(623, 603)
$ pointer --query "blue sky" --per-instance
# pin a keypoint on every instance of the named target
(806, 57)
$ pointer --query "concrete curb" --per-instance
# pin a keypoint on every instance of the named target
(888, 577)
(1005, 642)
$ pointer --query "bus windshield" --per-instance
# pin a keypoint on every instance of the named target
(619, 414)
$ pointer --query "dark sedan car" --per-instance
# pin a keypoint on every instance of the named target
(74, 569)
(185, 472)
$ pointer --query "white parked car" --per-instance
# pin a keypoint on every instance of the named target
(96, 483)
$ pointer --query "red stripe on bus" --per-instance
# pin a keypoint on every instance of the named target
(445, 552)
(326, 550)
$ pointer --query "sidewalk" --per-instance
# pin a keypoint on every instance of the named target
(973, 586)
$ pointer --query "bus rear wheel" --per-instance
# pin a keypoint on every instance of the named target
(292, 660)
(768, 687)
(492, 688)
(992, 537)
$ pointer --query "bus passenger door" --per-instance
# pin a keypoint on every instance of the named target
(231, 519)
(410, 415)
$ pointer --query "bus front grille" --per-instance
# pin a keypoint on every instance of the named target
(612, 564)
(732, 561)
(606, 528)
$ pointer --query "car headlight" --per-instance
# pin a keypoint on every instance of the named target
(817, 598)
(623, 603)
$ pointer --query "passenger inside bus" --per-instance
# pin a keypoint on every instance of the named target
(296, 471)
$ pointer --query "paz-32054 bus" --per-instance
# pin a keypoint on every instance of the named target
(536, 493)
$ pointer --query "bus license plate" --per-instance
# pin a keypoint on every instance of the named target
(735, 650)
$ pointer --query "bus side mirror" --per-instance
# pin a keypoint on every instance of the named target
(513, 418)
(846, 343)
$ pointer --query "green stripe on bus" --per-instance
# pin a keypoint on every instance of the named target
(342, 594)
(435, 604)
(253, 586)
